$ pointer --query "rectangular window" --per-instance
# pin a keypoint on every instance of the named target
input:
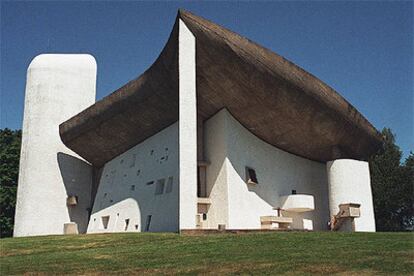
(251, 176)
(132, 162)
(202, 180)
(132, 187)
(126, 224)
(159, 187)
(105, 222)
(148, 223)
(169, 185)
(150, 182)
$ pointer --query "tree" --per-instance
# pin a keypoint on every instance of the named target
(392, 186)
(10, 141)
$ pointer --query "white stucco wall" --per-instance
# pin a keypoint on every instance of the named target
(58, 86)
(349, 182)
(278, 173)
(215, 151)
(124, 193)
(187, 127)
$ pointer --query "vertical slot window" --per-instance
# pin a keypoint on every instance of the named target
(169, 187)
(159, 187)
(148, 223)
(126, 224)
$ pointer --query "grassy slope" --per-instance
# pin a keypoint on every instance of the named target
(263, 253)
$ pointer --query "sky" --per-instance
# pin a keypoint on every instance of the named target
(364, 50)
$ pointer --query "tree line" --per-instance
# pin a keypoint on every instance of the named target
(392, 183)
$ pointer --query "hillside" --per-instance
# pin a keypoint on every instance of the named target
(293, 253)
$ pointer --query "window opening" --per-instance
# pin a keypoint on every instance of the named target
(159, 188)
(105, 222)
(148, 223)
(169, 185)
(251, 177)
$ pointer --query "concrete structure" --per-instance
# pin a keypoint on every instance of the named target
(58, 87)
(218, 133)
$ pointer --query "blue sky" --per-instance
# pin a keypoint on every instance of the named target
(364, 50)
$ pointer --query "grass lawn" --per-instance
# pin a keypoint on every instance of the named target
(293, 253)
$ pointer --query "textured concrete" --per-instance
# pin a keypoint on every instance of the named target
(58, 86)
(128, 187)
(240, 205)
(215, 150)
(276, 100)
(349, 182)
(187, 127)
(298, 203)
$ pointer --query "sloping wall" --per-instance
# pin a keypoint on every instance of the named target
(139, 183)
(215, 151)
(278, 173)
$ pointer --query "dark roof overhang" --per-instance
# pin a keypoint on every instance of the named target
(276, 100)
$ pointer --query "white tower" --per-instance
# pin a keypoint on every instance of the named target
(349, 182)
(58, 87)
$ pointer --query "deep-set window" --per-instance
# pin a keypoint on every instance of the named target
(251, 177)
(105, 222)
(159, 187)
(126, 224)
(169, 187)
(148, 223)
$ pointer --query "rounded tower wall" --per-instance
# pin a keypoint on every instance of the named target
(58, 86)
(349, 182)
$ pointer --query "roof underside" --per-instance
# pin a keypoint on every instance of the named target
(273, 98)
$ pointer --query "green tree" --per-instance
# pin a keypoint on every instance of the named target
(10, 141)
(392, 186)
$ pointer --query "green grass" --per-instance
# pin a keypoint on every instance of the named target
(293, 253)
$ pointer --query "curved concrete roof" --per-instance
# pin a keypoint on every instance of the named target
(272, 97)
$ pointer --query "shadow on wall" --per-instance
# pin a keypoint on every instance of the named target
(77, 178)
(121, 216)
(275, 182)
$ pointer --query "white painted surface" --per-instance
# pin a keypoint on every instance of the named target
(298, 203)
(215, 150)
(187, 127)
(349, 182)
(58, 86)
(124, 193)
(278, 173)
(118, 213)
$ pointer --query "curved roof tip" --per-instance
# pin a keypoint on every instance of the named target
(278, 101)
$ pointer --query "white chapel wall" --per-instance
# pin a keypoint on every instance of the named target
(278, 173)
(131, 188)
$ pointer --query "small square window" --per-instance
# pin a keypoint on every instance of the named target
(132, 187)
(251, 177)
(159, 188)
